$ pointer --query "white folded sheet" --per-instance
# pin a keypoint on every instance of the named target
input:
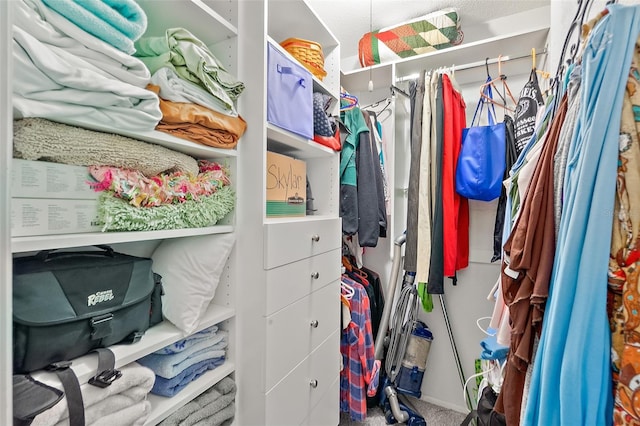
(56, 77)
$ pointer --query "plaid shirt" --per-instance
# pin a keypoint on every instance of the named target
(358, 355)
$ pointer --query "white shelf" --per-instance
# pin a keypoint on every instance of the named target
(513, 44)
(155, 338)
(285, 142)
(290, 219)
(289, 18)
(162, 407)
(195, 15)
(156, 137)
(44, 242)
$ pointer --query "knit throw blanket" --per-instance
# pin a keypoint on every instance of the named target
(434, 31)
(40, 139)
(117, 22)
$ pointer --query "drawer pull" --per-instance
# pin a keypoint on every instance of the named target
(314, 323)
(313, 383)
(315, 275)
(315, 238)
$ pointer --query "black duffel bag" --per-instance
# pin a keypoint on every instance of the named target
(67, 303)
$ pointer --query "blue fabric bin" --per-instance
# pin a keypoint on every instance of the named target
(289, 94)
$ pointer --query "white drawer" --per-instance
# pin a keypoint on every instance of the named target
(327, 411)
(288, 283)
(287, 242)
(295, 331)
(291, 401)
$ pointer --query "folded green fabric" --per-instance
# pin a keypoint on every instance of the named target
(192, 60)
(115, 214)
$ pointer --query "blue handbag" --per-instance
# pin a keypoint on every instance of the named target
(481, 162)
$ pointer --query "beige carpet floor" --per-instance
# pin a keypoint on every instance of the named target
(434, 415)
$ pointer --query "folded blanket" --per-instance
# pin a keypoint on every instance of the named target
(117, 22)
(40, 139)
(170, 387)
(192, 60)
(188, 341)
(217, 400)
(127, 392)
(53, 82)
(77, 46)
(115, 214)
(170, 365)
(176, 89)
(200, 124)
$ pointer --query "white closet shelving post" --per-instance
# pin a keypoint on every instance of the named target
(6, 123)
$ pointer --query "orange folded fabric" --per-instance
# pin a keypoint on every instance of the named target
(199, 124)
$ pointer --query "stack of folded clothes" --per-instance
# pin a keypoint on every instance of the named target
(73, 59)
(184, 361)
(216, 406)
(123, 403)
(197, 94)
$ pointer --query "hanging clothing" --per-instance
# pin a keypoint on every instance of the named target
(525, 279)
(358, 355)
(436, 262)
(574, 94)
(425, 211)
(411, 245)
(572, 385)
(624, 261)
(353, 125)
(509, 159)
(371, 200)
(455, 207)
(526, 111)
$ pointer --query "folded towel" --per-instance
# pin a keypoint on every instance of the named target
(39, 139)
(129, 390)
(188, 341)
(170, 387)
(117, 22)
(135, 415)
(78, 47)
(176, 89)
(192, 60)
(223, 417)
(115, 214)
(211, 401)
(170, 365)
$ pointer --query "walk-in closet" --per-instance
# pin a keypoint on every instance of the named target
(319, 212)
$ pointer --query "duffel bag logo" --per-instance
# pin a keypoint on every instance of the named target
(99, 297)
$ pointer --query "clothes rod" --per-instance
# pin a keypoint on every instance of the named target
(476, 64)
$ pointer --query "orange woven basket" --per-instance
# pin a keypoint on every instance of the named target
(308, 53)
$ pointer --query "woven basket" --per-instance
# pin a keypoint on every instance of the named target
(308, 53)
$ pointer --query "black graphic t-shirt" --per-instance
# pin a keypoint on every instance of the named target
(526, 111)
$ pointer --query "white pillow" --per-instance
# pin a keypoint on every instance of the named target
(190, 269)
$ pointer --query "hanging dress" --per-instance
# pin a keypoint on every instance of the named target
(571, 382)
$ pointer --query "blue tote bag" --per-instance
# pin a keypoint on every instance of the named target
(481, 162)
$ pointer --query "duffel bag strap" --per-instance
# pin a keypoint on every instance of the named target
(72, 391)
(106, 374)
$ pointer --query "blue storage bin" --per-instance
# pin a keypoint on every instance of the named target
(289, 94)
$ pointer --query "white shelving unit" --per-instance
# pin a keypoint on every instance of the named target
(276, 385)
(216, 24)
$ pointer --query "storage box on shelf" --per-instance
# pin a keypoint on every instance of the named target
(286, 186)
(215, 23)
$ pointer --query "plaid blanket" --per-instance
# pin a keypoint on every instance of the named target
(434, 31)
